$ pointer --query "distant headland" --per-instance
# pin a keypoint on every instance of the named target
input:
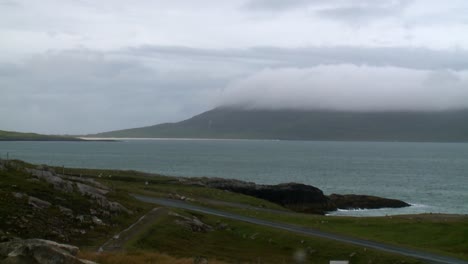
(232, 123)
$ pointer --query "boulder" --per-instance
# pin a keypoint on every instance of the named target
(192, 223)
(97, 221)
(66, 211)
(18, 195)
(38, 251)
(38, 203)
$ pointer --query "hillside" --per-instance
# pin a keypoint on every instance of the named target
(17, 136)
(444, 126)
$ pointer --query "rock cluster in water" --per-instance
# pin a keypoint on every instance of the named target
(298, 197)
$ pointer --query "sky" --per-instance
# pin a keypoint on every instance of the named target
(85, 66)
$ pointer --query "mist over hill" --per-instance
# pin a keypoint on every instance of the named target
(233, 123)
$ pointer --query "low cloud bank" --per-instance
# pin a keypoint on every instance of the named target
(349, 88)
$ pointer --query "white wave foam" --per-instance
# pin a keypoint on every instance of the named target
(419, 205)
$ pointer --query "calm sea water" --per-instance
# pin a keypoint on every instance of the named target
(431, 176)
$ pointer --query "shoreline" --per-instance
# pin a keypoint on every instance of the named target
(259, 139)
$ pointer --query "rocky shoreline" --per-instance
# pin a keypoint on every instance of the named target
(298, 197)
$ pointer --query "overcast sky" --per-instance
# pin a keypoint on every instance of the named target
(85, 66)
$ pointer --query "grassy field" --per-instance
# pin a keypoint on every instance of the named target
(166, 241)
(244, 242)
(442, 234)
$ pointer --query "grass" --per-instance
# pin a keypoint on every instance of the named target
(436, 233)
(138, 257)
(442, 234)
(164, 186)
(18, 136)
(247, 243)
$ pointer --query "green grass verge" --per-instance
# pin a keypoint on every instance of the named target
(248, 243)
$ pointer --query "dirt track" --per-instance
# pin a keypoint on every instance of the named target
(118, 241)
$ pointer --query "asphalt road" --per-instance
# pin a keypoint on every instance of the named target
(427, 257)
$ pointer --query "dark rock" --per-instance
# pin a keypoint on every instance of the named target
(353, 201)
(296, 196)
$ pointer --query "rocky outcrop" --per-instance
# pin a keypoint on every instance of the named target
(192, 223)
(50, 177)
(91, 191)
(38, 203)
(296, 196)
(353, 201)
(39, 251)
(86, 187)
(66, 211)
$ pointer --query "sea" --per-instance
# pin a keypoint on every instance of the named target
(432, 177)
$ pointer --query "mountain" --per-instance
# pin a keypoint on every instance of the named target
(17, 136)
(443, 126)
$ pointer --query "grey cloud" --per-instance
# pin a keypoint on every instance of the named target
(357, 13)
(275, 5)
(341, 10)
(404, 57)
(9, 69)
(349, 88)
(86, 91)
(446, 18)
(11, 3)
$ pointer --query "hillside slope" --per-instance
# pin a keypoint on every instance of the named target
(17, 136)
(444, 126)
